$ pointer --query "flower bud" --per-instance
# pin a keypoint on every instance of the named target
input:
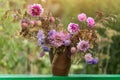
(52, 19)
(42, 53)
(38, 23)
(24, 25)
(32, 23)
(82, 17)
(67, 42)
(73, 49)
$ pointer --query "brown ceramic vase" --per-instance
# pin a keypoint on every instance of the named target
(60, 64)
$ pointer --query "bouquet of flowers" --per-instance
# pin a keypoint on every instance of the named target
(63, 45)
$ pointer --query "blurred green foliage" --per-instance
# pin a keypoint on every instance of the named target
(21, 56)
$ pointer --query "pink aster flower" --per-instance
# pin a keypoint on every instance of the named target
(88, 57)
(58, 39)
(82, 17)
(73, 28)
(90, 22)
(35, 10)
(83, 46)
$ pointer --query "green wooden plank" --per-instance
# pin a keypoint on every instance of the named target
(50, 77)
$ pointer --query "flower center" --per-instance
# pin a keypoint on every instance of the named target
(73, 28)
(35, 10)
(84, 46)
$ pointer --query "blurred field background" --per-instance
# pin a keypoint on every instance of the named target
(21, 56)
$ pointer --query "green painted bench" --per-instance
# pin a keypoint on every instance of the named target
(50, 77)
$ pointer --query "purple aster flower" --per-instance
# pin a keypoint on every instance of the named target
(82, 17)
(89, 62)
(83, 46)
(35, 10)
(73, 28)
(45, 48)
(90, 22)
(41, 34)
(67, 43)
(51, 32)
(41, 37)
(95, 61)
(40, 42)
